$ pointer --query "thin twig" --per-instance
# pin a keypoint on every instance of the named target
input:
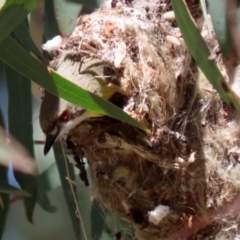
(74, 195)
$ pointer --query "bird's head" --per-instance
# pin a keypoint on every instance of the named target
(57, 117)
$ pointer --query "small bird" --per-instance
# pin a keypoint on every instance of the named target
(57, 116)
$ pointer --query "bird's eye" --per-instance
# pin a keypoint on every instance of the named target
(64, 116)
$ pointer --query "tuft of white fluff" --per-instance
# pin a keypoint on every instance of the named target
(157, 214)
(53, 44)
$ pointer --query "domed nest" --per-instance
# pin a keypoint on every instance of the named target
(189, 165)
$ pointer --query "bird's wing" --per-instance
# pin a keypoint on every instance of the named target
(88, 74)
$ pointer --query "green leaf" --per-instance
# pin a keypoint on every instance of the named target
(97, 220)
(47, 181)
(217, 11)
(27, 5)
(200, 53)
(42, 198)
(205, 16)
(19, 59)
(50, 24)
(20, 125)
(12, 13)
(90, 101)
(66, 14)
(50, 178)
(67, 171)
(23, 36)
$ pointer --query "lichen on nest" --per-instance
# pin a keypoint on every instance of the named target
(190, 162)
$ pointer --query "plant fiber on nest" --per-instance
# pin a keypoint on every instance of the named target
(189, 164)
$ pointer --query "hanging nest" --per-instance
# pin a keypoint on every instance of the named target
(189, 165)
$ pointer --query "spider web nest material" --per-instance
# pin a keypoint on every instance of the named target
(189, 165)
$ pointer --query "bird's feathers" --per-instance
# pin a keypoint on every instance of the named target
(88, 73)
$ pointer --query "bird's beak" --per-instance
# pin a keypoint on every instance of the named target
(50, 139)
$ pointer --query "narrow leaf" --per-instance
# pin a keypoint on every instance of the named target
(97, 220)
(50, 178)
(27, 5)
(42, 198)
(19, 59)
(50, 23)
(205, 15)
(23, 36)
(68, 194)
(200, 53)
(12, 13)
(66, 14)
(90, 101)
(217, 11)
(20, 125)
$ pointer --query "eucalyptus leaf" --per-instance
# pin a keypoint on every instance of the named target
(67, 171)
(97, 221)
(19, 59)
(20, 125)
(51, 28)
(50, 178)
(90, 101)
(12, 13)
(42, 198)
(200, 53)
(217, 11)
(26, 5)
(23, 36)
(66, 14)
